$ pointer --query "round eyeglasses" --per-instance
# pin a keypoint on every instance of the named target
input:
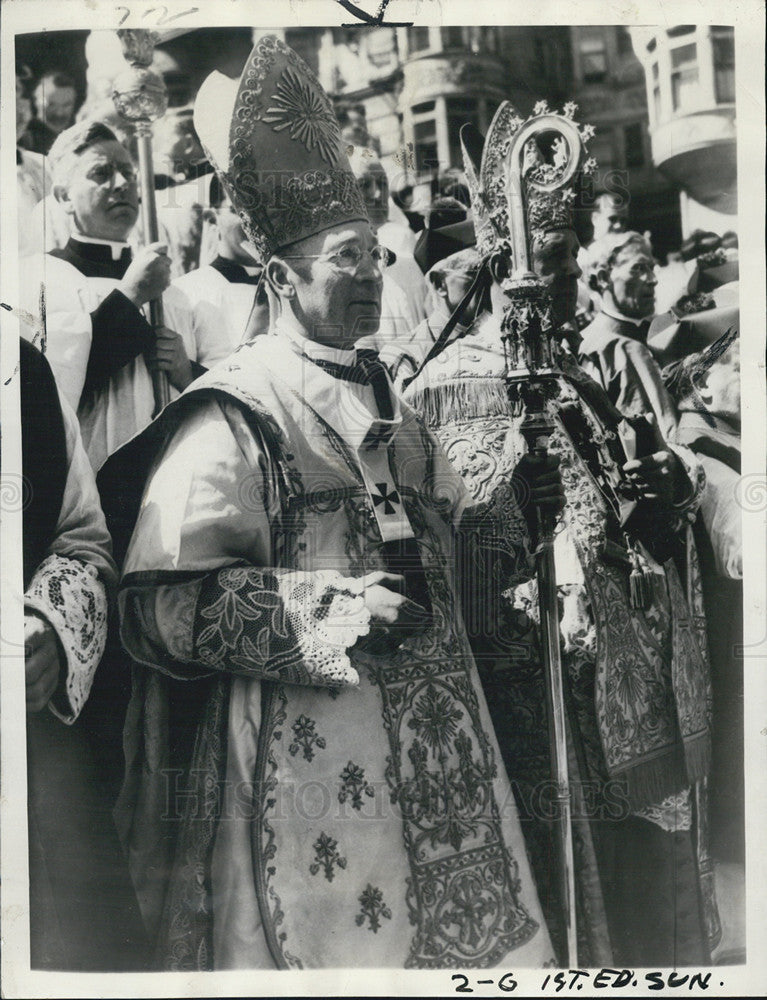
(350, 259)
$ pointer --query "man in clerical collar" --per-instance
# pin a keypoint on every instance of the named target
(227, 297)
(98, 341)
(614, 349)
(294, 559)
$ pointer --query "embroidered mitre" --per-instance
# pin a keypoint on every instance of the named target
(276, 145)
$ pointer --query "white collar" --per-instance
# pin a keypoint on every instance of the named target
(312, 349)
(334, 399)
(117, 248)
(613, 313)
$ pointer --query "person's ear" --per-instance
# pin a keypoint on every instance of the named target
(61, 194)
(437, 280)
(280, 278)
(603, 278)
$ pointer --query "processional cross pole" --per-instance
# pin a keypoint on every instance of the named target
(531, 350)
(140, 97)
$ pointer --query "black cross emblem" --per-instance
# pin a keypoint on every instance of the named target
(374, 437)
(385, 497)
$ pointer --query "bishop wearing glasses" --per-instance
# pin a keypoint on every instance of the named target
(313, 779)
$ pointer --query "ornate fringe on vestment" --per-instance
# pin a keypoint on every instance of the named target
(467, 398)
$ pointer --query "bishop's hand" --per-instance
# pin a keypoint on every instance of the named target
(660, 476)
(43, 661)
(543, 492)
(393, 616)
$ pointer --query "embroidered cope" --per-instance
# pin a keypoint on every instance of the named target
(365, 788)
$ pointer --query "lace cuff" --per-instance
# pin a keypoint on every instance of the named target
(70, 596)
(286, 626)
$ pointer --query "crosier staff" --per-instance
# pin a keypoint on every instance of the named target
(140, 97)
(532, 370)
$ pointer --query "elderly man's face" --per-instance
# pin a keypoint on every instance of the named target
(56, 105)
(102, 192)
(555, 261)
(374, 185)
(337, 284)
(631, 281)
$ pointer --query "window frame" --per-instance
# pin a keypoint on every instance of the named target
(599, 49)
(411, 50)
(681, 74)
(727, 37)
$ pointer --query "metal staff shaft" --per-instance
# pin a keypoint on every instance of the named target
(537, 429)
(531, 378)
(160, 384)
(552, 661)
(140, 97)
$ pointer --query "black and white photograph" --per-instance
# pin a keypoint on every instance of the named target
(383, 500)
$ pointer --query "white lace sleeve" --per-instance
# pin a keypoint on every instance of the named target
(328, 615)
(269, 624)
(70, 596)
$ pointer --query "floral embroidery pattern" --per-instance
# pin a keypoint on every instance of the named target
(373, 908)
(435, 718)
(354, 785)
(450, 801)
(306, 738)
(463, 895)
(244, 598)
(299, 106)
(326, 856)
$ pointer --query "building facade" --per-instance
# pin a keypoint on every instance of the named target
(608, 84)
(690, 81)
(662, 102)
(407, 91)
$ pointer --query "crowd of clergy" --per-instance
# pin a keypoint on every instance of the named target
(262, 730)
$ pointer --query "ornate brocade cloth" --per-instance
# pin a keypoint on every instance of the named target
(339, 810)
(634, 678)
(648, 669)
